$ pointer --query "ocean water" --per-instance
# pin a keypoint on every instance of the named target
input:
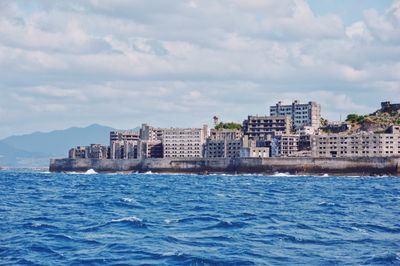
(148, 219)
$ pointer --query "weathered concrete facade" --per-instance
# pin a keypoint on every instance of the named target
(94, 151)
(390, 107)
(265, 127)
(319, 166)
(184, 142)
(308, 114)
(362, 144)
(124, 144)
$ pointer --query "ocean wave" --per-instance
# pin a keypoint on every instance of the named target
(132, 220)
(385, 259)
(37, 226)
(170, 221)
(42, 248)
(226, 224)
(127, 219)
(88, 172)
(188, 259)
(200, 220)
(129, 200)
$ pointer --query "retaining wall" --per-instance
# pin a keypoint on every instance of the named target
(335, 166)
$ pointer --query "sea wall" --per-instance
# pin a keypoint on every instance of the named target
(318, 166)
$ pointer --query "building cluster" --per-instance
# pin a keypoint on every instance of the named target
(293, 130)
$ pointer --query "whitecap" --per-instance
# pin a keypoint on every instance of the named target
(359, 230)
(90, 172)
(282, 174)
(129, 200)
(173, 253)
(127, 219)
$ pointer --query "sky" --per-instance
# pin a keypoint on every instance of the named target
(178, 63)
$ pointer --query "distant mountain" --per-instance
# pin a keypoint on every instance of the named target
(57, 143)
(9, 154)
(14, 157)
(37, 148)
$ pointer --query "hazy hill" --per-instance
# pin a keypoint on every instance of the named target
(57, 143)
(9, 155)
(37, 148)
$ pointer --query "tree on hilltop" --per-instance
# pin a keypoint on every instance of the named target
(229, 125)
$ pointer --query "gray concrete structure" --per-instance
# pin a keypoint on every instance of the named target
(285, 146)
(265, 127)
(334, 166)
(124, 144)
(308, 114)
(80, 152)
(151, 133)
(224, 143)
(225, 134)
(335, 127)
(150, 149)
(94, 151)
(184, 142)
(362, 144)
(390, 107)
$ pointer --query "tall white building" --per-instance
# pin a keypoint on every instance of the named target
(302, 115)
(184, 142)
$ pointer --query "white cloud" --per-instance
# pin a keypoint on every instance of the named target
(181, 62)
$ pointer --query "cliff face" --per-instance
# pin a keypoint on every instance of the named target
(319, 166)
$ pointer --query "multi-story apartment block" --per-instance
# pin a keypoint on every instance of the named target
(151, 133)
(265, 127)
(224, 143)
(99, 151)
(80, 152)
(94, 151)
(285, 146)
(362, 144)
(150, 149)
(308, 114)
(255, 149)
(222, 148)
(184, 142)
(124, 144)
(225, 134)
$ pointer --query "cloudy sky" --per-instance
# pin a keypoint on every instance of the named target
(124, 62)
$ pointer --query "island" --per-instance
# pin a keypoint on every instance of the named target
(292, 139)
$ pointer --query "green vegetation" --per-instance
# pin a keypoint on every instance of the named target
(354, 118)
(230, 125)
(377, 122)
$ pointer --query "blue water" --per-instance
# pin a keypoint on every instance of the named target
(70, 219)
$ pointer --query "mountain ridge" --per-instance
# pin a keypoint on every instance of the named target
(35, 149)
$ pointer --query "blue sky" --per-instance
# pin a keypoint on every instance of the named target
(178, 63)
(349, 10)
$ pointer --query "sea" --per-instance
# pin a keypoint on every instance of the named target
(158, 219)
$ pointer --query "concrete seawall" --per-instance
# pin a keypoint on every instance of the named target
(317, 166)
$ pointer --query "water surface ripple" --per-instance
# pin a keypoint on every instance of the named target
(146, 219)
